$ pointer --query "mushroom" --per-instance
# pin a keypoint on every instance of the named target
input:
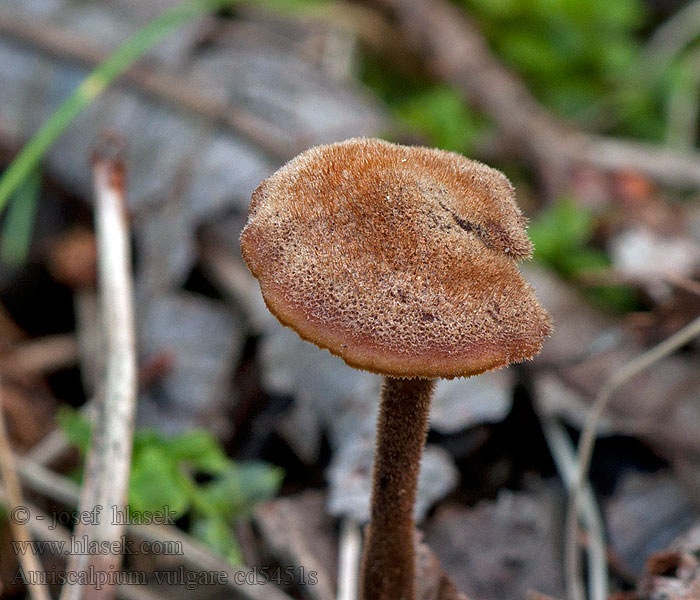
(401, 261)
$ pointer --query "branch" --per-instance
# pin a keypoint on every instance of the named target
(109, 457)
(457, 53)
(665, 165)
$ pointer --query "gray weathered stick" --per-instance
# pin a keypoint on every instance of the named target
(109, 457)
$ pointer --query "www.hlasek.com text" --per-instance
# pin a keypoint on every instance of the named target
(84, 546)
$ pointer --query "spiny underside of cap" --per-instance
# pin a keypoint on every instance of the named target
(400, 260)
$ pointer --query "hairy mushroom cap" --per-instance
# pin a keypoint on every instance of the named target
(400, 260)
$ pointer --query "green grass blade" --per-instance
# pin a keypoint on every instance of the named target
(94, 84)
(17, 229)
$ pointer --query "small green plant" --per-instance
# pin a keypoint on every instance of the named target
(562, 236)
(437, 112)
(441, 114)
(580, 57)
(585, 60)
(190, 475)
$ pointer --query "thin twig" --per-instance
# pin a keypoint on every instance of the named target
(51, 446)
(43, 527)
(46, 354)
(54, 444)
(349, 559)
(109, 457)
(672, 36)
(94, 85)
(199, 557)
(47, 482)
(685, 283)
(587, 440)
(668, 166)
(564, 455)
(682, 111)
(31, 566)
(90, 340)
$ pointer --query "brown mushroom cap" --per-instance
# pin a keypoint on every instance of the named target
(400, 260)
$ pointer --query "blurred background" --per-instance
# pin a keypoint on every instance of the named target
(261, 443)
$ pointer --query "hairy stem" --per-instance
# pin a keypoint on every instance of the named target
(388, 569)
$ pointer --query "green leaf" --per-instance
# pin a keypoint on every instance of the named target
(559, 235)
(76, 427)
(584, 260)
(147, 437)
(260, 481)
(618, 298)
(157, 482)
(200, 450)
(163, 475)
(17, 229)
(441, 114)
(234, 493)
(574, 53)
(531, 52)
(573, 95)
(218, 535)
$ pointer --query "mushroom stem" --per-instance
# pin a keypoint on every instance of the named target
(388, 564)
